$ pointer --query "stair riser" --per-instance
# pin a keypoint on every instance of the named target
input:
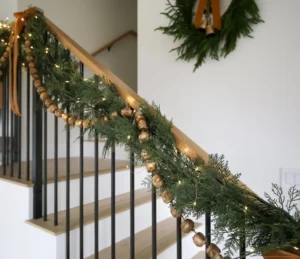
(122, 186)
(143, 216)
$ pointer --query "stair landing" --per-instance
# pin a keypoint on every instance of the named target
(104, 167)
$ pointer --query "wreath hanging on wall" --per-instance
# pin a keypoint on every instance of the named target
(204, 32)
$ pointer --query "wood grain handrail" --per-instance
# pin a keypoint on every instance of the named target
(183, 142)
(113, 42)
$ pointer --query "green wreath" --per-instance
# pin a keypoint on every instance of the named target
(237, 21)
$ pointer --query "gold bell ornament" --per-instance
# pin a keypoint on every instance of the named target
(203, 24)
(213, 251)
(187, 226)
(166, 197)
(151, 166)
(157, 181)
(209, 31)
(175, 213)
(199, 239)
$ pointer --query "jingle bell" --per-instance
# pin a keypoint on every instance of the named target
(210, 31)
(203, 24)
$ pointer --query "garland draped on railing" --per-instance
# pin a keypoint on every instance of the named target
(191, 188)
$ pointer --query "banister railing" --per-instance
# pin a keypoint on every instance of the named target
(39, 142)
(109, 45)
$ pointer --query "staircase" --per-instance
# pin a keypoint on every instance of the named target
(60, 199)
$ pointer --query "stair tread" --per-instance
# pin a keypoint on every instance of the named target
(166, 237)
(122, 204)
(104, 167)
(200, 255)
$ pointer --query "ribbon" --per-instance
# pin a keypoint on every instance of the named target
(215, 5)
(18, 26)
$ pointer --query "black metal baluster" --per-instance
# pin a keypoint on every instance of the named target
(243, 242)
(37, 155)
(4, 107)
(28, 127)
(55, 170)
(154, 227)
(81, 180)
(113, 202)
(179, 238)
(56, 157)
(7, 126)
(207, 231)
(132, 227)
(45, 165)
(96, 197)
(12, 139)
(68, 190)
(19, 121)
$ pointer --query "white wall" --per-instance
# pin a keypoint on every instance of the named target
(245, 106)
(8, 8)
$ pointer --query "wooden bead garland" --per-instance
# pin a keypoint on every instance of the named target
(58, 113)
(126, 112)
(78, 123)
(41, 90)
(199, 239)
(142, 125)
(144, 136)
(187, 226)
(145, 155)
(139, 117)
(2, 59)
(48, 102)
(37, 83)
(166, 197)
(65, 117)
(72, 120)
(5, 54)
(52, 108)
(151, 166)
(175, 213)
(44, 96)
(114, 114)
(157, 181)
(86, 124)
(213, 251)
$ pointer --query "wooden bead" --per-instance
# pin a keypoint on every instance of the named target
(5, 54)
(145, 155)
(52, 108)
(28, 50)
(151, 166)
(166, 197)
(58, 113)
(48, 102)
(199, 239)
(86, 124)
(27, 43)
(35, 76)
(157, 181)
(126, 112)
(213, 251)
(31, 64)
(3, 59)
(30, 58)
(65, 117)
(37, 83)
(44, 96)
(142, 125)
(175, 213)
(33, 71)
(187, 226)
(144, 136)
(41, 90)
(7, 49)
(72, 120)
(78, 123)
(139, 117)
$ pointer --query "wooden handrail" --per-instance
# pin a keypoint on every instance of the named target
(113, 42)
(183, 142)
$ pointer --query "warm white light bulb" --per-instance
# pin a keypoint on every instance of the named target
(296, 248)
(194, 203)
(128, 137)
(179, 182)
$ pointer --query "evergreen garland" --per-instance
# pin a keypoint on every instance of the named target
(195, 187)
(237, 22)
